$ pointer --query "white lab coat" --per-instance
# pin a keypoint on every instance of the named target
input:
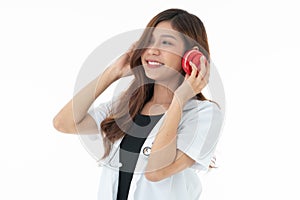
(198, 133)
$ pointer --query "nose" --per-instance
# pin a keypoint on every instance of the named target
(153, 49)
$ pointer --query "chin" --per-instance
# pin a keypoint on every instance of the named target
(154, 77)
(163, 74)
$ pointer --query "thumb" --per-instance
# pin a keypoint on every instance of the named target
(186, 77)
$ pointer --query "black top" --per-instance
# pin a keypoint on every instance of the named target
(130, 148)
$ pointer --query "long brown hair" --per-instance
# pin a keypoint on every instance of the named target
(131, 102)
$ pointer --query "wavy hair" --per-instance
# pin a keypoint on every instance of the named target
(131, 102)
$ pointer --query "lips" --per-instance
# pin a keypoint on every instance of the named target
(154, 63)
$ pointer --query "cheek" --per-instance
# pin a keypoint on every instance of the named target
(175, 62)
(142, 58)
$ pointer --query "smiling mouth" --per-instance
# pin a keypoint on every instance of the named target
(154, 64)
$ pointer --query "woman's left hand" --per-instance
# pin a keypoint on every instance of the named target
(193, 84)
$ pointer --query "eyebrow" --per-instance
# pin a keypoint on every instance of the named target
(168, 36)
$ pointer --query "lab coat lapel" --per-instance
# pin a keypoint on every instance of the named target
(142, 160)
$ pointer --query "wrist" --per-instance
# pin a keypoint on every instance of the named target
(112, 73)
(181, 96)
(184, 92)
(179, 99)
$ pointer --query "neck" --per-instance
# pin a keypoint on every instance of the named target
(163, 92)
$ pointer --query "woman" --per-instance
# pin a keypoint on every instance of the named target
(161, 128)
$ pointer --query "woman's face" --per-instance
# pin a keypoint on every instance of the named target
(162, 57)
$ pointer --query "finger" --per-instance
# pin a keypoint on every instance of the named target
(133, 45)
(206, 77)
(194, 69)
(131, 48)
(208, 67)
(207, 70)
(186, 76)
(203, 68)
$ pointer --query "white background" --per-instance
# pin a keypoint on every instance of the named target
(254, 44)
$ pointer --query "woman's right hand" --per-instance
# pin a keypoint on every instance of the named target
(122, 65)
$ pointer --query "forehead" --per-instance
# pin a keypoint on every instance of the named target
(165, 28)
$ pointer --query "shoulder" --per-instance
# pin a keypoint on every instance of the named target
(194, 106)
(196, 111)
(100, 111)
(105, 106)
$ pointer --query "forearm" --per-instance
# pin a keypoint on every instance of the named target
(76, 109)
(163, 151)
(182, 161)
(82, 101)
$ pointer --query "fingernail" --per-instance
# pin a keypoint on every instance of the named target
(192, 64)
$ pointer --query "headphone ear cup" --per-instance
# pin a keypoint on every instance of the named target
(191, 55)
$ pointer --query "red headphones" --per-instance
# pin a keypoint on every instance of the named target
(193, 55)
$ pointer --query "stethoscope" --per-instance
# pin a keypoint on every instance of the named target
(146, 152)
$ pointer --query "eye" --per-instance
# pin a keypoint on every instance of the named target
(165, 42)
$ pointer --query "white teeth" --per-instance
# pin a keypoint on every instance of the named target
(153, 63)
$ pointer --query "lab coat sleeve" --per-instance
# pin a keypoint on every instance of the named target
(93, 143)
(100, 112)
(198, 133)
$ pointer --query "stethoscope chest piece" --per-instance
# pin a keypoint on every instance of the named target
(147, 151)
